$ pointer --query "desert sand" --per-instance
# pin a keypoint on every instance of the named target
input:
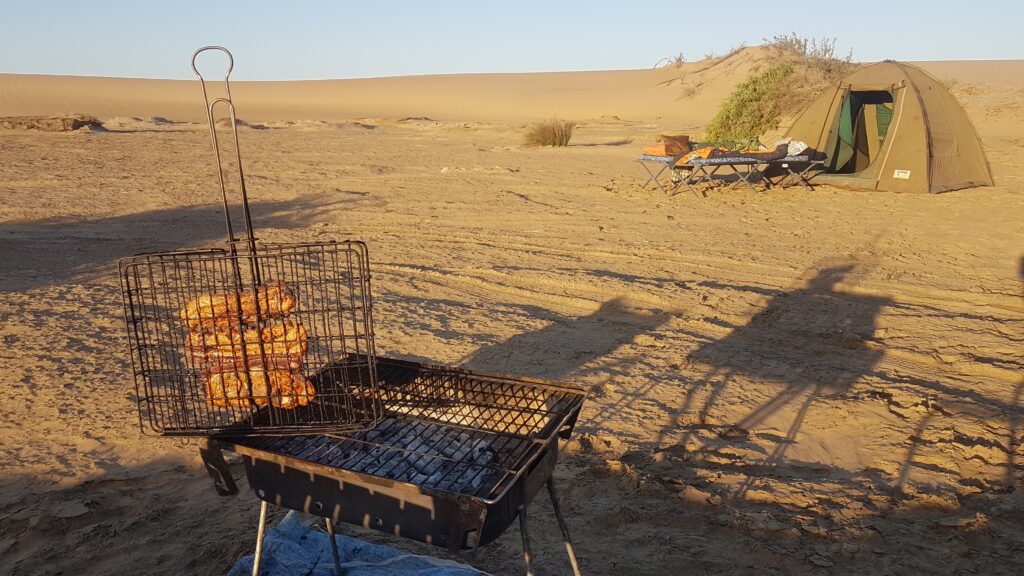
(787, 382)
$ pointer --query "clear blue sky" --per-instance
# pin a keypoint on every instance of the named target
(285, 40)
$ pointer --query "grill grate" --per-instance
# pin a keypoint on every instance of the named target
(426, 454)
(516, 406)
(445, 429)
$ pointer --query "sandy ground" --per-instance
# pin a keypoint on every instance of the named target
(792, 382)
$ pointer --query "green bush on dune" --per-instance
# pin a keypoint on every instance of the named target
(752, 108)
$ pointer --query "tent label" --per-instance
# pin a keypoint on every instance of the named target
(901, 174)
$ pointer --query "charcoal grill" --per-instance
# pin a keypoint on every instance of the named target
(457, 456)
(267, 351)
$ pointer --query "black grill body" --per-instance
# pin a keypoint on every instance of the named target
(455, 458)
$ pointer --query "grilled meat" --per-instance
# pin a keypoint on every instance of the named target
(213, 311)
(286, 337)
(280, 388)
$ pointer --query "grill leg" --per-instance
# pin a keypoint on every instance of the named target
(334, 547)
(564, 527)
(527, 556)
(260, 531)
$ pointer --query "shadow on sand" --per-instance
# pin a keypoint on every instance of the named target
(560, 349)
(804, 344)
(42, 253)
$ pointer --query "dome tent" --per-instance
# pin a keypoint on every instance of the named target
(892, 126)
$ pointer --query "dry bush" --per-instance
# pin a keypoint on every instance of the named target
(734, 51)
(552, 132)
(712, 57)
(815, 66)
(51, 123)
(672, 62)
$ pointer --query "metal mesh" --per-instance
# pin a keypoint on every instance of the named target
(279, 340)
(426, 454)
(516, 406)
(445, 429)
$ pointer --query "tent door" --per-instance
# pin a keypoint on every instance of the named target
(864, 120)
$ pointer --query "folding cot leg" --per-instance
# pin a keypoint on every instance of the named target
(739, 177)
(760, 177)
(758, 174)
(710, 178)
(801, 177)
(793, 176)
(654, 177)
(702, 176)
(695, 177)
(744, 176)
(782, 181)
(682, 182)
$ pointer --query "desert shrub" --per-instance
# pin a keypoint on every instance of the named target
(752, 108)
(671, 62)
(712, 57)
(734, 50)
(816, 65)
(226, 123)
(51, 123)
(552, 132)
(818, 54)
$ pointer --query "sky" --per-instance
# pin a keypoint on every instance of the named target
(304, 39)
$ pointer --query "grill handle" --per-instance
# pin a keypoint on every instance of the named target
(211, 105)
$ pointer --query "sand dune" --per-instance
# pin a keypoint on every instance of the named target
(635, 95)
(804, 382)
(631, 94)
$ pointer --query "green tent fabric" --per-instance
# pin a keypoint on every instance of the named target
(844, 137)
(884, 118)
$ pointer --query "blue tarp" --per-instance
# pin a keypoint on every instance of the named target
(294, 548)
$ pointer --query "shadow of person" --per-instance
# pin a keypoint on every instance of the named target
(559, 349)
(814, 341)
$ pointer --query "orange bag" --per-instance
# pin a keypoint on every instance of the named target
(656, 150)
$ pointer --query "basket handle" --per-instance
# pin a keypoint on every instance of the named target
(210, 106)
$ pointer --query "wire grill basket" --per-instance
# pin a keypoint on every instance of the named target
(254, 359)
(253, 338)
